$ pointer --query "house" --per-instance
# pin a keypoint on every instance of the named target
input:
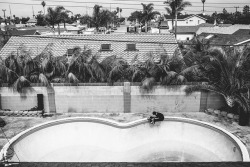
(31, 22)
(185, 20)
(185, 33)
(224, 39)
(126, 46)
(222, 29)
(17, 32)
(243, 32)
(164, 28)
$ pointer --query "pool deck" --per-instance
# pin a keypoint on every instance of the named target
(16, 125)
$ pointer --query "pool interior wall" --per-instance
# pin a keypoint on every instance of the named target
(84, 139)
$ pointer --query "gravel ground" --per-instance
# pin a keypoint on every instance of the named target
(16, 125)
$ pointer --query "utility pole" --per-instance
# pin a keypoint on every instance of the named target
(33, 12)
(176, 14)
(235, 16)
(236, 7)
(10, 12)
(4, 15)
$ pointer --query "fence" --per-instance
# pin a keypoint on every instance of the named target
(100, 98)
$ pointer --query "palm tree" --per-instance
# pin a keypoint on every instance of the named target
(176, 7)
(136, 16)
(84, 67)
(114, 68)
(65, 16)
(54, 16)
(226, 71)
(20, 70)
(43, 4)
(148, 13)
(119, 10)
(100, 17)
(203, 1)
(96, 18)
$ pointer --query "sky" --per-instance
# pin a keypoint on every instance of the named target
(25, 8)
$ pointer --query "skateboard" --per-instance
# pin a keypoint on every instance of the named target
(150, 120)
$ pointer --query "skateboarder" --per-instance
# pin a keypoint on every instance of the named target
(157, 116)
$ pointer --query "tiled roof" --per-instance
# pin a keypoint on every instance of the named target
(224, 25)
(205, 25)
(41, 29)
(242, 32)
(32, 21)
(222, 30)
(183, 17)
(145, 43)
(164, 23)
(23, 32)
(187, 29)
(223, 38)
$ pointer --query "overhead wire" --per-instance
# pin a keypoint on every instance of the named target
(20, 3)
(151, 1)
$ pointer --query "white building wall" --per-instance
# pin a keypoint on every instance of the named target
(184, 37)
(193, 21)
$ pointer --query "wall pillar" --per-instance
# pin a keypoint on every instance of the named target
(51, 99)
(127, 97)
(203, 102)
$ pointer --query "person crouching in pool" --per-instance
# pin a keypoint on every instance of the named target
(157, 116)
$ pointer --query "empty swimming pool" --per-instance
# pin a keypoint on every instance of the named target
(86, 139)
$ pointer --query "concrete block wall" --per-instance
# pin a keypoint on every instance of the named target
(116, 99)
(13, 100)
(77, 99)
(170, 99)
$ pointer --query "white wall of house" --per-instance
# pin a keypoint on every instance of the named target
(184, 37)
(192, 21)
(31, 23)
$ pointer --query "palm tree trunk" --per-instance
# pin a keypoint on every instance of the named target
(172, 23)
(58, 28)
(146, 26)
(175, 29)
(43, 10)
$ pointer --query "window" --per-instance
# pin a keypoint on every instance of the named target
(191, 20)
(187, 38)
(131, 47)
(69, 52)
(105, 47)
(198, 21)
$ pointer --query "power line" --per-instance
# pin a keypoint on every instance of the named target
(121, 3)
(18, 3)
(151, 1)
(107, 7)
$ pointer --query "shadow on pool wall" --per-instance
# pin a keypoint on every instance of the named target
(85, 139)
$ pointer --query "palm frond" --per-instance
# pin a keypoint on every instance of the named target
(148, 85)
(194, 88)
(98, 70)
(72, 78)
(21, 83)
(43, 80)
